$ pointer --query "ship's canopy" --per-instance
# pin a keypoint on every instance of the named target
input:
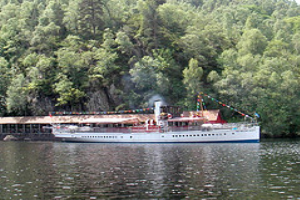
(132, 120)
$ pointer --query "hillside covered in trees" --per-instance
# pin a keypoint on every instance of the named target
(96, 55)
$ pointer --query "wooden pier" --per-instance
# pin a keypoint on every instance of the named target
(33, 128)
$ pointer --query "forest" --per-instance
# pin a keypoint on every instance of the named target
(109, 55)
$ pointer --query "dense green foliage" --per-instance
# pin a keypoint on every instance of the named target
(108, 54)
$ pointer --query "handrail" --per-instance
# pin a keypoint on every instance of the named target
(152, 129)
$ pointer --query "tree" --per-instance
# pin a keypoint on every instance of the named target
(68, 94)
(5, 76)
(49, 29)
(192, 78)
(40, 74)
(16, 99)
(90, 20)
(252, 42)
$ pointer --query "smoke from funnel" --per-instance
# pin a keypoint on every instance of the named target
(156, 98)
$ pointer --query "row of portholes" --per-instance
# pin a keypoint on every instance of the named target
(202, 135)
(107, 137)
(195, 135)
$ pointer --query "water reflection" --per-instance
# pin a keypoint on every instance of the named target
(138, 171)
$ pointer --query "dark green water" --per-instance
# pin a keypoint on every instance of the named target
(48, 170)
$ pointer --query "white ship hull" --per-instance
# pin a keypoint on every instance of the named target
(251, 134)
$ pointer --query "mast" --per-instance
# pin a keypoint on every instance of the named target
(199, 105)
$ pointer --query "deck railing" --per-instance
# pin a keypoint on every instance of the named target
(151, 129)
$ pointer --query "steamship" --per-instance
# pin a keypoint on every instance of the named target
(168, 126)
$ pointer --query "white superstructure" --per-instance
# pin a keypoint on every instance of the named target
(207, 133)
(165, 129)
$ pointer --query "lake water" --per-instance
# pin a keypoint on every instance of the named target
(52, 170)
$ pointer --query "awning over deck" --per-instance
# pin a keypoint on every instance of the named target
(188, 119)
(76, 119)
(132, 120)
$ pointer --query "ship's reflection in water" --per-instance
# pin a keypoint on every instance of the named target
(137, 171)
